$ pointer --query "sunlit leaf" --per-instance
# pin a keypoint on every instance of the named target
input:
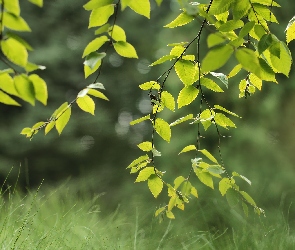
(94, 4)
(187, 95)
(180, 20)
(92, 59)
(155, 185)
(188, 148)
(97, 94)
(145, 146)
(163, 59)
(15, 51)
(86, 103)
(6, 99)
(150, 85)
(210, 84)
(163, 129)
(95, 45)
(224, 185)
(15, 22)
(141, 7)
(125, 49)
(25, 88)
(7, 84)
(138, 160)
(186, 71)
(100, 16)
(168, 100)
(181, 120)
(40, 88)
(117, 33)
(145, 173)
(147, 117)
(63, 119)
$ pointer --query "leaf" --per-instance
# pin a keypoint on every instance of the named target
(25, 88)
(215, 169)
(20, 40)
(224, 185)
(138, 160)
(12, 6)
(125, 49)
(102, 29)
(156, 152)
(256, 81)
(186, 71)
(97, 94)
(180, 20)
(290, 30)
(178, 181)
(215, 39)
(159, 211)
(246, 29)
(210, 84)
(181, 120)
(145, 173)
(232, 197)
(15, 51)
(240, 9)
(222, 77)
(155, 185)
(117, 33)
(248, 60)
(32, 67)
(145, 146)
(188, 148)
(100, 16)
(6, 99)
(208, 155)
(216, 58)
(49, 127)
(94, 4)
(187, 95)
(92, 59)
(40, 88)
(26, 131)
(88, 71)
(86, 104)
(94, 45)
(204, 177)
(177, 51)
(231, 25)
(141, 7)
(163, 129)
(163, 59)
(225, 110)
(235, 71)
(206, 117)
(223, 121)
(37, 2)
(168, 100)
(170, 215)
(62, 121)
(242, 177)
(7, 84)
(220, 6)
(150, 85)
(248, 198)
(147, 117)
(15, 22)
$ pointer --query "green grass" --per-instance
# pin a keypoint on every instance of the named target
(65, 218)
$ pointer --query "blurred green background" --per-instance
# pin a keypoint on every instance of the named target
(95, 150)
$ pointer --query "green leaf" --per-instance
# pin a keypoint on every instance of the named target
(224, 185)
(231, 25)
(125, 49)
(117, 33)
(168, 100)
(188, 148)
(49, 127)
(177, 51)
(222, 77)
(12, 6)
(206, 117)
(32, 67)
(159, 211)
(178, 181)
(180, 20)
(86, 104)
(223, 121)
(63, 119)
(163, 59)
(155, 185)
(186, 71)
(88, 71)
(100, 16)
(26, 131)
(248, 60)
(215, 39)
(264, 43)
(216, 58)
(145, 173)
(97, 94)
(232, 197)
(187, 95)
(147, 117)
(215, 169)
(92, 59)
(15, 51)
(40, 88)
(220, 6)
(290, 30)
(163, 129)
(156, 152)
(225, 110)
(37, 2)
(94, 4)
(204, 177)
(210, 84)
(240, 9)
(6, 99)
(96, 85)
(7, 84)
(15, 22)
(145, 146)
(246, 29)
(102, 29)
(248, 198)
(170, 215)
(138, 161)
(235, 71)
(242, 177)
(208, 155)
(25, 88)
(94, 45)
(150, 85)
(141, 7)
(256, 81)
(182, 119)
(38, 125)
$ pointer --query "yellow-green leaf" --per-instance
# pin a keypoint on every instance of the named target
(95, 45)
(225, 110)
(97, 94)
(186, 71)
(63, 119)
(141, 7)
(235, 71)
(140, 159)
(49, 127)
(155, 185)
(125, 49)
(25, 88)
(40, 88)
(159, 211)
(12, 6)
(248, 198)
(180, 20)
(15, 22)
(204, 177)
(170, 215)
(86, 103)
(210, 84)
(145, 173)
(88, 71)
(178, 181)
(100, 16)
(208, 155)
(37, 2)
(256, 81)
(223, 121)
(7, 84)
(188, 148)
(92, 59)
(6, 99)
(224, 185)
(141, 119)
(163, 59)
(163, 129)
(117, 33)
(290, 30)
(168, 100)
(150, 85)
(187, 95)
(94, 4)
(248, 59)
(145, 146)
(15, 51)
(182, 119)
